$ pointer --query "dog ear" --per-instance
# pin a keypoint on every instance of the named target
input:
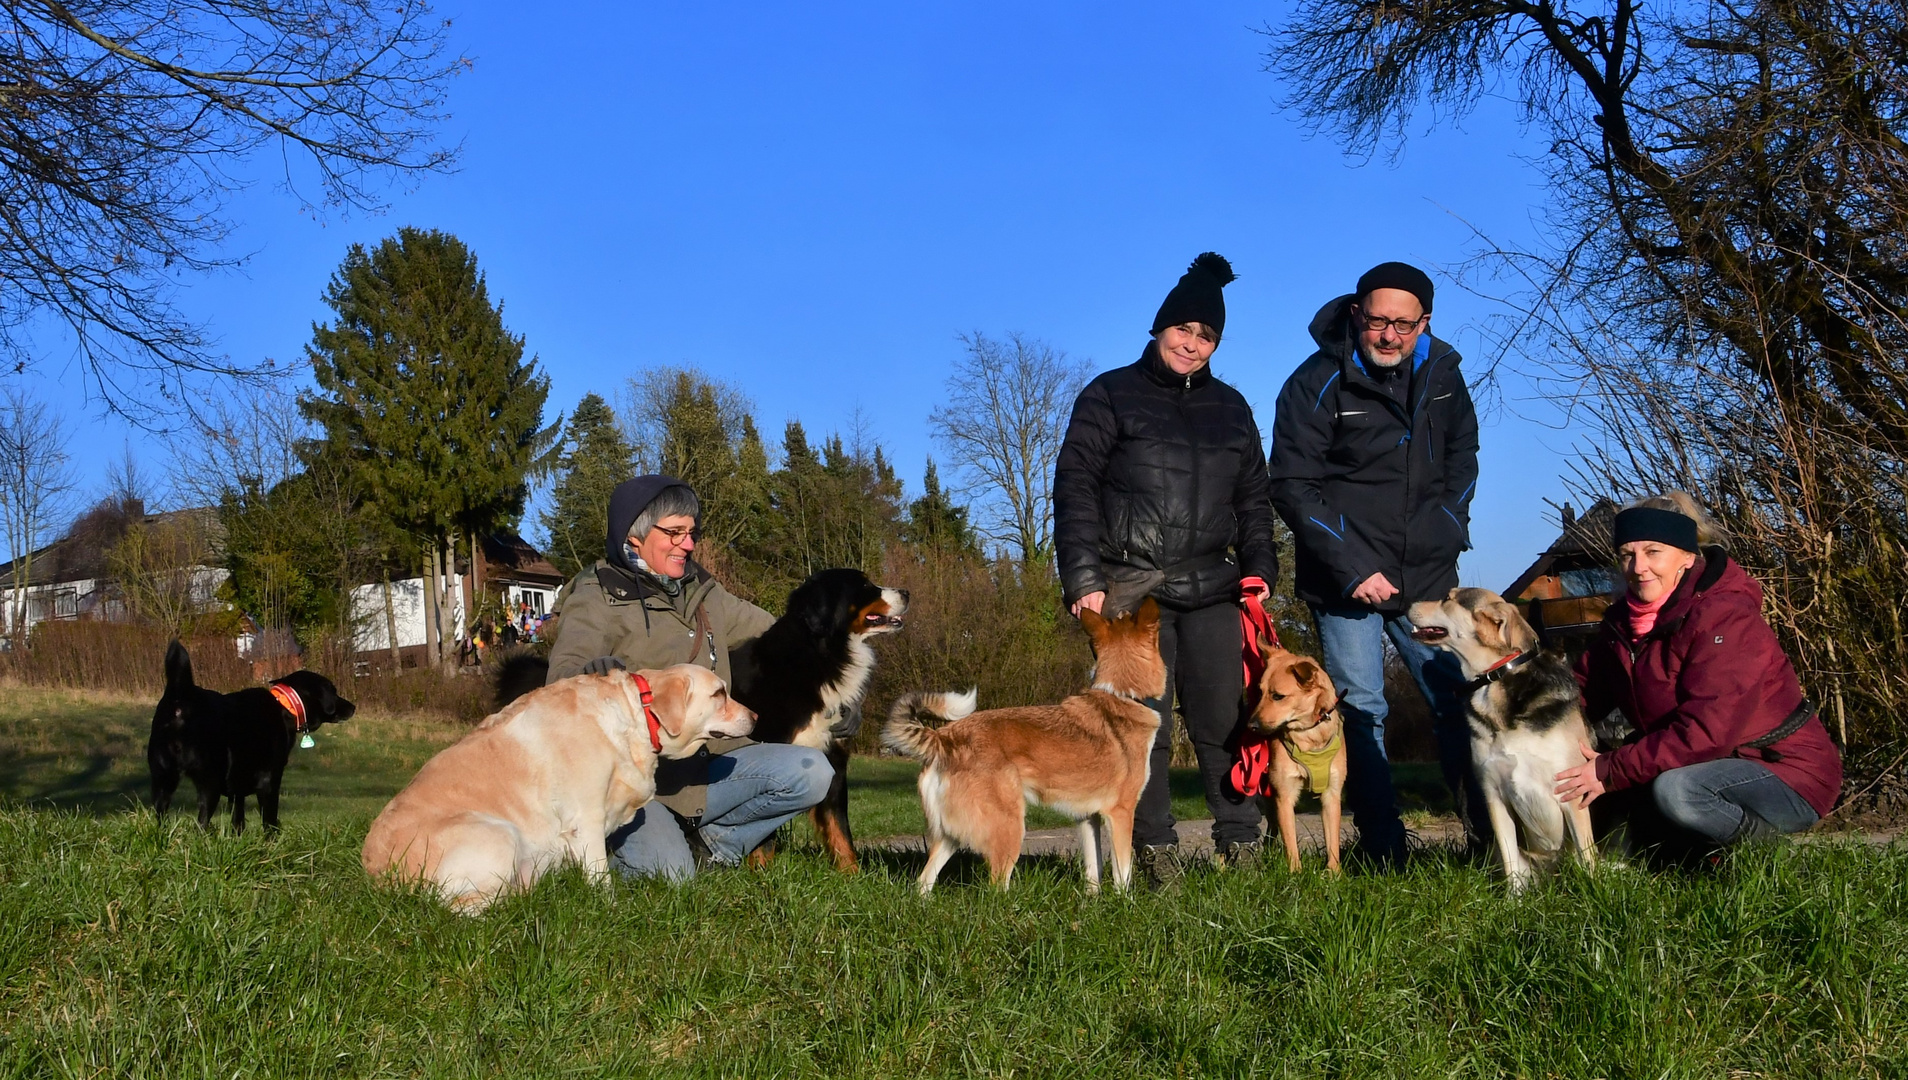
(1149, 614)
(1517, 632)
(1093, 623)
(1490, 628)
(671, 692)
(1306, 673)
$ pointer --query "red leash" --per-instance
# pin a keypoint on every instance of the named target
(1255, 750)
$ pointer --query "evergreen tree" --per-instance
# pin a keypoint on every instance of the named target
(935, 523)
(596, 457)
(428, 397)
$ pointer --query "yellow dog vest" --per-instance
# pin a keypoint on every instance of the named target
(1318, 763)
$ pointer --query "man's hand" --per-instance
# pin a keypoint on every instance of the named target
(603, 665)
(1090, 601)
(1374, 590)
(1580, 787)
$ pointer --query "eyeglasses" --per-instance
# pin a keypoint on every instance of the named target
(677, 536)
(1398, 326)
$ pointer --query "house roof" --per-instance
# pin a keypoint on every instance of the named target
(1582, 541)
(510, 557)
(82, 553)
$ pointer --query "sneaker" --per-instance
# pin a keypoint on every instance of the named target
(1159, 866)
(1247, 855)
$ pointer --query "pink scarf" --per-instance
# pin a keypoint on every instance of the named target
(1642, 615)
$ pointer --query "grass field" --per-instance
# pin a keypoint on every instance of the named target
(129, 948)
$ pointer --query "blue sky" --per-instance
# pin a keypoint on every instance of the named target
(812, 204)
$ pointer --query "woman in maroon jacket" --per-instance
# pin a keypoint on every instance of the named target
(1727, 748)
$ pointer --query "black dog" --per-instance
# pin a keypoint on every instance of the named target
(805, 677)
(233, 745)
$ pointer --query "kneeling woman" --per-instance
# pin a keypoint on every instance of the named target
(1727, 748)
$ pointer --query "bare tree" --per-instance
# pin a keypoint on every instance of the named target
(125, 125)
(1722, 293)
(35, 480)
(1003, 423)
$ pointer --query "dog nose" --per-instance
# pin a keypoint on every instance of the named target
(904, 595)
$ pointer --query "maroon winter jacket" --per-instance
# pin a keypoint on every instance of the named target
(1707, 678)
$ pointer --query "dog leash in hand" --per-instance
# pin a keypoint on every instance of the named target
(649, 714)
(294, 705)
(1255, 750)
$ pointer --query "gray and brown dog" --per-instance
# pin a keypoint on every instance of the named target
(1526, 719)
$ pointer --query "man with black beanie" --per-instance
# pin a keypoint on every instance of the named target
(1374, 465)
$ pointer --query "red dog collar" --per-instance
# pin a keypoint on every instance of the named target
(649, 714)
(292, 702)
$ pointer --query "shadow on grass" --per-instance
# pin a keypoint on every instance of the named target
(97, 784)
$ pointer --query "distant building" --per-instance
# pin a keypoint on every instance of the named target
(1566, 591)
(70, 578)
(509, 572)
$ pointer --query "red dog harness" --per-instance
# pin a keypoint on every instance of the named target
(1255, 750)
(649, 714)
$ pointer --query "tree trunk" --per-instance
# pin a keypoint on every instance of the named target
(447, 630)
(390, 626)
(432, 652)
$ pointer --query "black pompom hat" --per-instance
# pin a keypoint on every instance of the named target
(1199, 297)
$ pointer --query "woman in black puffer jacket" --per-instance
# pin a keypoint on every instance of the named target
(1163, 472)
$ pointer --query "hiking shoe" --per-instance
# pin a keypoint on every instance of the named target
(1245, 855)
(1159, 866)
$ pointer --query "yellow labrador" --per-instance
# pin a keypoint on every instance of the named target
(545, 780)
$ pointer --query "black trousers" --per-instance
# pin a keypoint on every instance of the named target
(1201, 650)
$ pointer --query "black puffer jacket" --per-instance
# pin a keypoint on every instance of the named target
(1160, 471)
(1367, 485)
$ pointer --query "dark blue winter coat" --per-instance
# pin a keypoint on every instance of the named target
(1366, 483)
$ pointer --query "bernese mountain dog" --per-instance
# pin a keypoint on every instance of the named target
(805, 678)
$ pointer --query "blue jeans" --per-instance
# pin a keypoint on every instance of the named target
(1710, 799)
(752, 791)
(1353, 641)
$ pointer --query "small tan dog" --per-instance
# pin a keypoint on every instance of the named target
(1298, 713)
(1086, 757)
(545, 781)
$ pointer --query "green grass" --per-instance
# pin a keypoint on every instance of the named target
(131, 948)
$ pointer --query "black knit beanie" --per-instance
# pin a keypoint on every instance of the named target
(1199, 296)
(1650, 523)
(1397, 275)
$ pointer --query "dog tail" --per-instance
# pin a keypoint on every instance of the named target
(178, 667)
(518, 674)
(908, 733)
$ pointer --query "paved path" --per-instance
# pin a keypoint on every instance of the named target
(1195, 837)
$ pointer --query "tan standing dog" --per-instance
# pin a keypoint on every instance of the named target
(545, 781)
(1298, 712)
(1086, 757)
(1526, 718)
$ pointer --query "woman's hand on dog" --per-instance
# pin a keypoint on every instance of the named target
(1090, 601)
(1580, 787)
